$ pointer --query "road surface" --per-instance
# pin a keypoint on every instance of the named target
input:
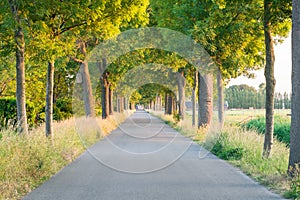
(146, 159)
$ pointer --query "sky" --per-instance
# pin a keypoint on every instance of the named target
(283, 69)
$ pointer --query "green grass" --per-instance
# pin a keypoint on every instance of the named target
(281, 127)
(29, 160)
(243, 149)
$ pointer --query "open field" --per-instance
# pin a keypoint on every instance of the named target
(238, 116)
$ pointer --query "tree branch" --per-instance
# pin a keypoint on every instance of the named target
(69, 28)
(77, 60)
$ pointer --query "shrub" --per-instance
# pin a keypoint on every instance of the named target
(281, 127)
(62, 109)
(8, 113)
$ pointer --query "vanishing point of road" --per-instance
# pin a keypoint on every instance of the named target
(145, 159)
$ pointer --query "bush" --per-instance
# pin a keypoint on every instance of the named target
(281, 127)
(8, 113)
(62, 109)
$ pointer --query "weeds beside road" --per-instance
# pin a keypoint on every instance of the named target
(243, 148)
(29, 160)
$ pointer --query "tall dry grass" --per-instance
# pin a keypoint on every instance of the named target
(29, 160)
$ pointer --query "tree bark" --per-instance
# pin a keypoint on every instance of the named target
(86, 84)
(105, 101)
(22, 126)
(169, 105)
(194, 105)
(205, 101)
(111, 105)
(87, 90)
(125, 103)
(49, 99)
(158, 102)
(174, 104)
(181, 93)
(118, 104)
(121, 104)
(220, 98)
(294, 158)
(104, 96)
(166, 103)
(20, 90)
(151, 104)
(270, 80)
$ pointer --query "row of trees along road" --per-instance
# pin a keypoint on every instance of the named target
(60, 30)
(238, 35)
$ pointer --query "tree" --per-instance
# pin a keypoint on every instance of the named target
(86, 83)
(276, 21)
(242, 96)
(179, 16)
(230, 33)
(52, 39)
(205, 100)
(104, 89)
(16, 9)
(194, 105)
(294, 158)
(181, 82)
(228, 30)
(62, 25)
(220, 87)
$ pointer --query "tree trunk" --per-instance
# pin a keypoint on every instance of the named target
(20, 72)
(194, 98)
(166, 103)
(294, 158)
(158, 102)
(181, 93)
(125, 103)
(104, 96)
(86, 84)
(270, 80)
(111, 105)
(169, 105)
(121, 104)
(104, 89)
(118, 104)
(174, 104)
(220, 98)
(49, 99)
(87, 90)
(151, 104)
(20, 90)
(205, 101)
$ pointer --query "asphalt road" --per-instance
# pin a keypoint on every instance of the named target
(146, 159)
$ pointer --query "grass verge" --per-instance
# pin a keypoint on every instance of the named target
(29, 160)
(243, 149)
